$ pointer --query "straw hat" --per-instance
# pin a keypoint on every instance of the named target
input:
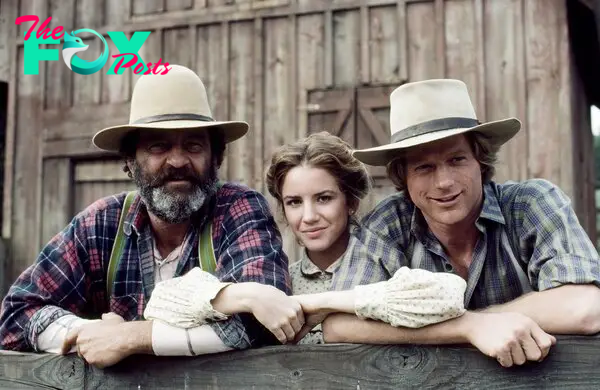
(428, 111)
(176, 100)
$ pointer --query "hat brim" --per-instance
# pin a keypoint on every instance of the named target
(110, 138)
(498, 133)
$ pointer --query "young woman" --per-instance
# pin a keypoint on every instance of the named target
(318, 185)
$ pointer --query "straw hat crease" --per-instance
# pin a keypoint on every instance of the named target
(427, 111)
(173, 101)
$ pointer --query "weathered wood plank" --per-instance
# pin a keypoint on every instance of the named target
(72, 147)
(277, 76)
(56, 197)
(87, 88)
(176, 5)
(572, 364)
(311, 75)
(421, 41)
(346, 49)
(365, 63)
(328, 63)
(117, 12)
(86, 193)
(58, 88)
(565, 112)
(100, 170)
(143, 7)
(45, 371)
(505, 81)
(440, 42)
(206, 15)
(258, 72)
(90, 13)
(241, 92)
(384, 60)
(460, 44)
(223, 85)
(115, 87)
(26, 173)
(402, 39)
(150, 51)
(543, 82)
(81, 123)
(8, 67)
(174, 41)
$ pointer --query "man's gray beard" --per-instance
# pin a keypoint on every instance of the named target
(171, 206)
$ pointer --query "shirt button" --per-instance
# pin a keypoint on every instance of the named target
(448, 267)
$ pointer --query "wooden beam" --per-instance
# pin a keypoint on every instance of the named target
(73, 148)
(79, 122)
(212, 15)
(572, 363)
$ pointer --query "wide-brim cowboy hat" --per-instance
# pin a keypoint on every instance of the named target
(174, 101)
(426, 111)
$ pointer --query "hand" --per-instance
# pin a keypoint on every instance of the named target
(102, 343)
(278, 312)
(314, 313)
(510, 338)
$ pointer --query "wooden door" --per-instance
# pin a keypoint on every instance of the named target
(360, 116)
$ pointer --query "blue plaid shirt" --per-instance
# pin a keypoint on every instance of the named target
(530, 240)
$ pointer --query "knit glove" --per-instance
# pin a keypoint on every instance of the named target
(184, 301)
(412, 298)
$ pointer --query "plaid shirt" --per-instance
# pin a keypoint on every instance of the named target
(70, 273)
(530, 240)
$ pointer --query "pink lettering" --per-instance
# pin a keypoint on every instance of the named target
(138, 69)
(25, 19)
(129, 63)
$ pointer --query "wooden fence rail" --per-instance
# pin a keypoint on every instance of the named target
(574, 363)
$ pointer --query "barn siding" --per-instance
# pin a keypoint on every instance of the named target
(260, 60)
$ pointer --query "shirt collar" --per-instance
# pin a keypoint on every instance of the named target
(308, 268)
(490, 210)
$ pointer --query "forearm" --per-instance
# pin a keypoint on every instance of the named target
(234, 298)
(345, 328)
(569, 309)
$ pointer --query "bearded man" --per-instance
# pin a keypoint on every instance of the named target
(89, 286)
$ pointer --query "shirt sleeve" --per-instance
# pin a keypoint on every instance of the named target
(168, 340)
(558, 250)
(250, 250)
(53, 287)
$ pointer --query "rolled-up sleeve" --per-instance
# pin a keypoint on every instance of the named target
(250, 250)
(559, 250)
(52, 287)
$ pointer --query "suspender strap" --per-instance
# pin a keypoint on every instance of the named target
(206, 251)
(117, 249)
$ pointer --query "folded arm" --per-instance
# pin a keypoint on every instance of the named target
(563, 265)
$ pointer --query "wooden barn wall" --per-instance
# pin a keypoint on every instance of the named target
(259, 60)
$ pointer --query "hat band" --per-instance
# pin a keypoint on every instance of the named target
(434, 126)
(172, 117)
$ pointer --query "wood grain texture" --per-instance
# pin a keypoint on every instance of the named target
(41, 371)
(572, 364)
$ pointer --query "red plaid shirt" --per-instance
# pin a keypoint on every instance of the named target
(69, 275)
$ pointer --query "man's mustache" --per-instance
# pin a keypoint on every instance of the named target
(173, 174)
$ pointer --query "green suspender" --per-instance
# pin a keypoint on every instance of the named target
(206, 252)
